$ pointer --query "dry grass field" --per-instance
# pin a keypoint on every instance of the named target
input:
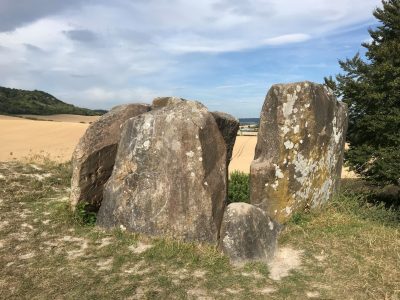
(347, 250)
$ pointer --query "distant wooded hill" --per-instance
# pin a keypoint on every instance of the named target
(15, 101)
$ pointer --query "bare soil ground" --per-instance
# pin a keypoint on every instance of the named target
(348, 250)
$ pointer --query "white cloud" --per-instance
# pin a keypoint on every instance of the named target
(287, 39)
(99, 94)
(125, 50)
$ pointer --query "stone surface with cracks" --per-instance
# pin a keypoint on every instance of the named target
(228, 126)
(169, 177)
(247, 234)
(299, 152)
(94, 156)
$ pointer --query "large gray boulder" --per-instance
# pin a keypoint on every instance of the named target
(169, 177)
(299, 152)
(247, 234)
(228, 126)
(94, 156)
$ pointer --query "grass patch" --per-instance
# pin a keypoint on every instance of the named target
(83, 215)
(350, 251)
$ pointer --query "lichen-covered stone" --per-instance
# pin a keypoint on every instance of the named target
(247, 234)
(299, 152)
(94, 156)
(169, 176)
(228, 126)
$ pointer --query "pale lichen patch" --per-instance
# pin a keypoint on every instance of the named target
(296, 129)
(288, 144)
(275, 185)
(285, 129)
(146, 145)
(287, 108)
(190, 154)
(271, 225)
(278, 172)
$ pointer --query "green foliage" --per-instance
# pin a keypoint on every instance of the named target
(366, 207)
(14, 101)
(83, 216)
(372, 91)
(238, 188)
(300, 218)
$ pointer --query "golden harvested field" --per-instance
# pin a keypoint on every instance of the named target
(21, 138)
(64, 118)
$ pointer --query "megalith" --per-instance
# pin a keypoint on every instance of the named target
(228, 126)
(247, 234)
(94, 156)
(299, 152)
(169, 175)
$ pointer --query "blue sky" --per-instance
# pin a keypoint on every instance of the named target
(224, 53)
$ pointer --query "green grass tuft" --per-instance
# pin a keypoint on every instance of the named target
(238, 187)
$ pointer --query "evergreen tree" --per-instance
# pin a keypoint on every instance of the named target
(371, 89)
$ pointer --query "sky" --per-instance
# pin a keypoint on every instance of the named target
(223, 53)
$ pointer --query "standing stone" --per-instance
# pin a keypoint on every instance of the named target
(169, 175)
(299, 152)
(247, 234)
(94, 156)
(228, 126)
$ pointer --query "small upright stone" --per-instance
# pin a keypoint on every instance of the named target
(94, 156)
(228, 126)
(299, 152)
(247, 234)
(169, 177)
